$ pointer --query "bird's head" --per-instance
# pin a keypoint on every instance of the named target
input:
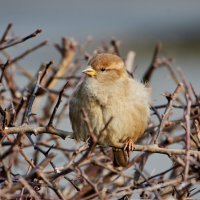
(105, 67)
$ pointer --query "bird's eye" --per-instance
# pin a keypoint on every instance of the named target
(103, 69)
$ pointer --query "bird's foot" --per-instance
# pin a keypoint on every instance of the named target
(129, 145)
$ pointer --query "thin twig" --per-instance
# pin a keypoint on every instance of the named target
(3, 38)
(27, 112)
(115, 46)
(57, 105)
(170, 98)
(188, 131)
(28, 51)
(148, 74)
(39, 130)
(156, 149)
(21, 40)
(3, 69)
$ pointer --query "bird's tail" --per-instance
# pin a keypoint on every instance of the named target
(120, 157)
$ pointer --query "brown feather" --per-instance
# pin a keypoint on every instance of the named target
(120, 157)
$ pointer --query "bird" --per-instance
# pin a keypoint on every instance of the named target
(108, 93)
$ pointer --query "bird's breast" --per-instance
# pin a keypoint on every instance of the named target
(129, 112)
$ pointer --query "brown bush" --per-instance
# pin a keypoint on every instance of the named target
(40, 161)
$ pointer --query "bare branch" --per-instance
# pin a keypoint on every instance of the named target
(57, 105)
(147, 76)
(3, 38)
(21, 40)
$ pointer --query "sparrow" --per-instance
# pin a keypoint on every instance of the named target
(108, 93)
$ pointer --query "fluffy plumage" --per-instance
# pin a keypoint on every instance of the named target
(107, 91)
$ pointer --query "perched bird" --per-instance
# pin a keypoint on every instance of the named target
(107, 91)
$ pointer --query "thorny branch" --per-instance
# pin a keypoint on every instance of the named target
(39, 158)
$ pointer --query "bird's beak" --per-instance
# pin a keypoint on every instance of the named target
(90, 72)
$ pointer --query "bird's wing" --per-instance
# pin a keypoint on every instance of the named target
(75, 104)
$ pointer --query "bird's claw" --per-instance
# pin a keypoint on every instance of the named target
(129, 145)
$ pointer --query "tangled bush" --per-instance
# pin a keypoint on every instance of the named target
(38, 160)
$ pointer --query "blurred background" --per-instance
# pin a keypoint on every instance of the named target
(138, 24)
